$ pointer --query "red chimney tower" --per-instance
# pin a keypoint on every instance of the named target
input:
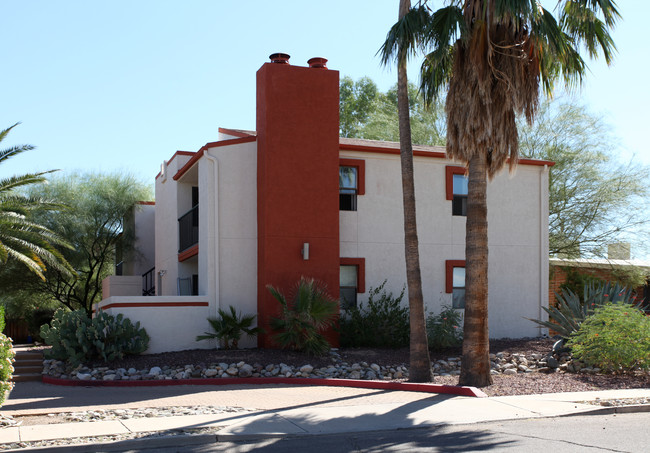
(297, 179)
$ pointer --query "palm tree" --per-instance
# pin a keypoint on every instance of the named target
(21, 239)
(492, 55)
(419, 359)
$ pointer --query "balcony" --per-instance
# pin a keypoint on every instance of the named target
(188, 229)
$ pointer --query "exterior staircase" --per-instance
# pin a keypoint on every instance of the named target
(28, 364)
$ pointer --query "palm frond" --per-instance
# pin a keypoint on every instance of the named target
(407, 34)
(581, 22)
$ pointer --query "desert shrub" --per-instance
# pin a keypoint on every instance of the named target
(76, 338)
(229, 328)
(311, 311)
(572, 310)
(615, 338)
(576, 281)
(382, 322)
(6, 365)
(444, 329)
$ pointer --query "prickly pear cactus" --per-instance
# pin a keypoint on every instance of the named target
(77, 339)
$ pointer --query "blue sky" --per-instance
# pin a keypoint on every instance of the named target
(121, 85)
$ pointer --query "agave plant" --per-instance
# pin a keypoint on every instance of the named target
(302, 320)
(229, 328)
(570, 312)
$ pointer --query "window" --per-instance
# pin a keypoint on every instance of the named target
(352, 280)
(352, 175)
(457, 190)
(458, 290)
(348, 188)
(348, 284)
(455, 282)
(459, 202)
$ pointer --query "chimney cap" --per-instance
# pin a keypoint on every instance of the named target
(281, 58)
(317, 62)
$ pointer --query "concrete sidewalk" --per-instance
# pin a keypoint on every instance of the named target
(282, 410)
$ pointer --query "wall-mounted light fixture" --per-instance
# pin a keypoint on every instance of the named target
(305, 251)
(161, 273)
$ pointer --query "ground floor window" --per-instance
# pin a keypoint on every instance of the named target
(455, 282)
(352, 280)
(348, 277)
(458, 291)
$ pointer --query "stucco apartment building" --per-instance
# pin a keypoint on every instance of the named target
(294, 199)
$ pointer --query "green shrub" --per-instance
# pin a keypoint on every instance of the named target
(6, 366)
(76, 338)
(383, 322)
(2, 319)
(229, 327)
(571, 310)
(311, 311)
(615, 338)
(444, 329)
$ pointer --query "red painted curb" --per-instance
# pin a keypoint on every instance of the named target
(355, 383)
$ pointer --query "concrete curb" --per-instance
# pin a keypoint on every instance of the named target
(610, 410)
(354, 383)
(129, 444)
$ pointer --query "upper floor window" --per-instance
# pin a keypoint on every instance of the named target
(459, 202)
(457, 189)
(348, 188)
(352, 181)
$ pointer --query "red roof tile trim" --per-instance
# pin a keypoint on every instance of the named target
(384, 147)
(237, 132)
(199, 154)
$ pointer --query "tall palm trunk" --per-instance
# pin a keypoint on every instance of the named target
(420, 362)
(475, 368)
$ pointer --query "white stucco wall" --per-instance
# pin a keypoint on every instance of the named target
(518, 237)
(121, 285)
(141, 219)
(228, 253)
(170, 327)
(227, 258)
(166, 226)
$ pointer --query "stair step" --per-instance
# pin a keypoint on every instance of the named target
(22, 369)
(29, 362)
(27, 377)
(28, 358)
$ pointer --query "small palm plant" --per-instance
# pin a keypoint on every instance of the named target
(571, 312)
(229, 328)
(303, 320)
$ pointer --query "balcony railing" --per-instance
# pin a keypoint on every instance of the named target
(148, 282)
(188, 229)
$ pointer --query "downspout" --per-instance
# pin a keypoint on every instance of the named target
(213, 247)
(543, 242)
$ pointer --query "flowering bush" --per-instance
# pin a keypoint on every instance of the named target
(6, 366)
(444, 330)
(615, 338)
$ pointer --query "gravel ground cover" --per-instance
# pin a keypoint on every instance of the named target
(514, 382)
(519, 383)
